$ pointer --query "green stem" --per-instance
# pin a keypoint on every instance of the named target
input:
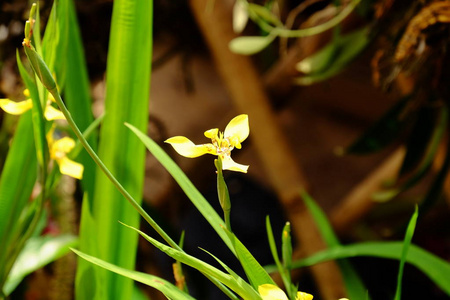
(222, 193)
(287, 33)
(108, 174)
(226, 214)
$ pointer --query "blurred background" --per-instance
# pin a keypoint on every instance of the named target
(360, 132)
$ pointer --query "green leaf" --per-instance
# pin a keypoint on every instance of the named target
(16, 184)
(353, 283)
(437, 269)
(248, 45)
(38, 252)
(37, 115)
(419, 138)
(426, 162)
(406, 244)
(285, 274)
(165, 287)
(186, 185)
(334, 57)
(256, 274)
(76, 90)
(238, 285)
(435, 190)
(319, 61)
(127, 100)
(263, 13)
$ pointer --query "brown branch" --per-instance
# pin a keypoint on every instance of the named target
(359, 202)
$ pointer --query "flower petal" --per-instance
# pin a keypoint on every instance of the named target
(64, 145)
(52, 113)
(237, 130)
(70, 167)
(271, 292)
(185, 147)
(229, 164)
(15, 108)
(212, 133)
(303, 296)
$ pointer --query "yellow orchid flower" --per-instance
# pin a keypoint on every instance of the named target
(18, 108)
(58, 152)
(272, 292)
(222, 143)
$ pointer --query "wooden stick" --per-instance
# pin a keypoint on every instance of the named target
(358, 202)
(247, 93)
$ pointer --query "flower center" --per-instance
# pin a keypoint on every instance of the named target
(59, 154)
(223, 145)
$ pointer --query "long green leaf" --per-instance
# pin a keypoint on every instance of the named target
(38, 252)
(256, 274)
(238, 285)
(37, 115)
(406, 244)
(354, 285)
(127, 94)
(76, 89)
(186, 185)
(339, 54)
(16, 184)
(158, 283)
(426, 162)
(434, 267)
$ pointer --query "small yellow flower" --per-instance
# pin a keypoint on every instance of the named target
(272, 292)
(18, 108)
(222, 143)
(58, 152)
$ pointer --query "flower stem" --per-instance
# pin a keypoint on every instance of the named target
(222, 192)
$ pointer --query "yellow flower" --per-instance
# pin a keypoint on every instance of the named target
(18, 108)
(272, 292)
(58, 152)
(222, 143)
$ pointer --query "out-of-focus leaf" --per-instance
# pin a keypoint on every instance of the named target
(319, 61)
(138, 294)
(426, 162)
(437, 269)
(384, 131)
(353, 283)
(406, 244)
(240, 16)
(38, 252)
(420, 137)
(264, 13)
(165, 287)
(248, 45)
(333, 58)
(435, 190)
